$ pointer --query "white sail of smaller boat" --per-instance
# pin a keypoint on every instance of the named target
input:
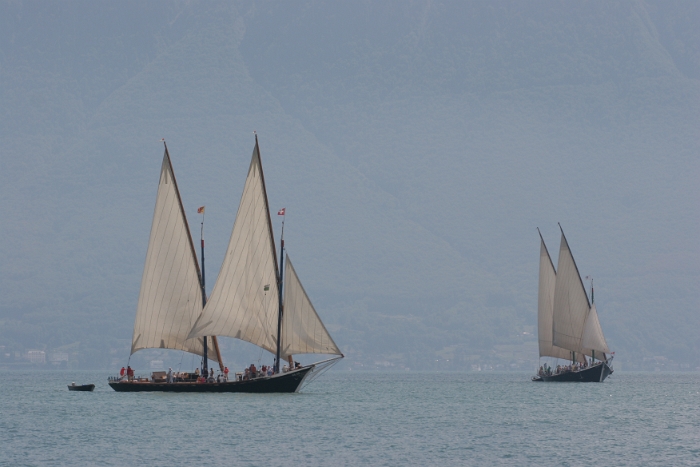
(573, 314)
(171, 297)
(545, 306)
(593, 338)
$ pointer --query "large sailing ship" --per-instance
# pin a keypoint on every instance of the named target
(567, 323)
(254, 299)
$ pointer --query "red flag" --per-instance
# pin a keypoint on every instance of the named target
(200, 210)
(281, 212)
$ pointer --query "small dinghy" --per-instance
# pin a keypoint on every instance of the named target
(81, 387)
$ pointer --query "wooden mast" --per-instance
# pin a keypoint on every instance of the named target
(274, 254)
(592, 301)
(205, 356)
(281, 301)
(214, 340)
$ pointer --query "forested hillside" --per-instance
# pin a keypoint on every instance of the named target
(415, 145)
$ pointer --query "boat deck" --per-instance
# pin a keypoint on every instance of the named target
(593, 374)
(282, 382)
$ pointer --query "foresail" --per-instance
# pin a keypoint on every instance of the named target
(244, 302)
(545, 307)
(302, 329)
(593, 338)
(170, 298)
(571, 305)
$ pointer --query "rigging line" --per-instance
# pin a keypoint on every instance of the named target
(320, 369)
(179, 365)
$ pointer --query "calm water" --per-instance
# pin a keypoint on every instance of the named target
(348, 418)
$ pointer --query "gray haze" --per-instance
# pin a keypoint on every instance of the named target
(416, 146)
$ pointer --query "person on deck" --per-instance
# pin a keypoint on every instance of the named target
(170, 375)
(129, 373)
(253, 371)
(122, 372)
(225, 373)
(196, 373)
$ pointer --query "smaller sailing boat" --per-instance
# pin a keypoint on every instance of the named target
(251, 299)
(81, 387)
(567, 323)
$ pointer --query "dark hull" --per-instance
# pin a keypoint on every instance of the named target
(83, 387)
(594, 374)
(284, 382)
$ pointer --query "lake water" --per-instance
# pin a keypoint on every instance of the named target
(349, 418)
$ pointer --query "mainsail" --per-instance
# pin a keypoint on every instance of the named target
(571, 304)
(170, 298)
(302, 329)
(545, 306)
(245, 300)
(575, 322)
(244, 303)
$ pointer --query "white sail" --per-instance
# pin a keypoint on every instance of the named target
(571, 305)
(302, 329)
(245, 301)
(593, 338)
(171, 298)
(545, 307)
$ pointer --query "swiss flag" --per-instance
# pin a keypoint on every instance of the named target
(281, 212)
